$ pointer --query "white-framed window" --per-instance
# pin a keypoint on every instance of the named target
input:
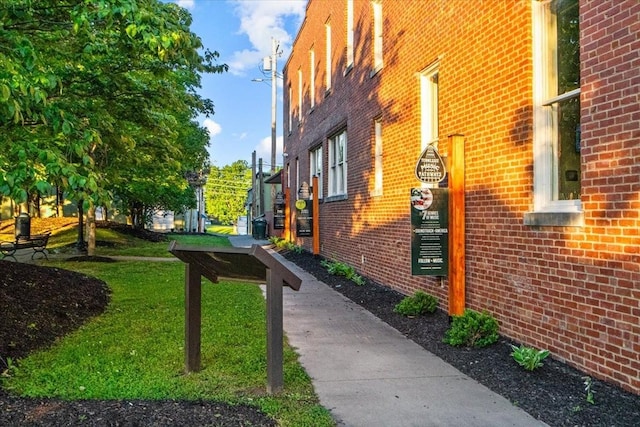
(429, 106)
(290, 112)
(312, 78)
(328, 70)
(377, 35)
(299, 95)
(556, 109)
(297, 174)
(338, 164)
(377, 158)
(315, 166)
(288, 175)
(349, 34)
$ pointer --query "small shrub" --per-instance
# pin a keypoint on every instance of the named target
(275, 240)
(588, 388)
(281, 243)
(472, 329)
(358, 280)
(419, 303)
(529, 358)
(341, 269)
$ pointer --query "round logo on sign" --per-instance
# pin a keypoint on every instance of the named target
(301, 204)
(421, 199)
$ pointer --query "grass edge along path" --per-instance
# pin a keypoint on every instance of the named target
(135, 349)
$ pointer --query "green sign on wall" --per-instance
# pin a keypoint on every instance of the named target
(429, 231)
(304, 218)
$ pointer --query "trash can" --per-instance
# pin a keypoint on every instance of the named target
(260, 228)
(23, 225)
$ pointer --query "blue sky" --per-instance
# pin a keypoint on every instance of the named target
(241, 31)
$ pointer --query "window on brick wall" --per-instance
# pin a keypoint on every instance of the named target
(288, 175)
(290, 112)
(556, 97)
(327, 81)
(338, 164)
(312, 78)
(377, 158)
(297, 173)
(377, 35)
(349, 63)
(429, 106)
(315, 165)
(299, 95)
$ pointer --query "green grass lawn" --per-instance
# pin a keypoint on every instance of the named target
(113, 243)
(135, 350)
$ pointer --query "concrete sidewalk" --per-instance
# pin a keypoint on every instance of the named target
(368, 374)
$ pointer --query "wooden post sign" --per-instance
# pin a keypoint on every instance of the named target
(254, 264)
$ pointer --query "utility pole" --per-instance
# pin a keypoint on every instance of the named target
(274, 66)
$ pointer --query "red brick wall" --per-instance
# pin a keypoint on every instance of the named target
(573, 290)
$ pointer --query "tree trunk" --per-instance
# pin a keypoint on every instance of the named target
(81, 246)
(59, 202)
(91, 230)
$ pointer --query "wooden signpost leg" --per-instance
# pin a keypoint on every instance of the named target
(316, 216)
(287, 216)
(193, 314)
(456, 227)
(275, 333)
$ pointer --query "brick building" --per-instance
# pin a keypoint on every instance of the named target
(545, 96)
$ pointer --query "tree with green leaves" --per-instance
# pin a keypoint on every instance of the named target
(226, 191)
(98, 97)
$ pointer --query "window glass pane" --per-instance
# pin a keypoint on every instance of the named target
(568, 150)
(568, 58)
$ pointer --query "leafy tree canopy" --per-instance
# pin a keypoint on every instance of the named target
(99, 97)
(226, 191)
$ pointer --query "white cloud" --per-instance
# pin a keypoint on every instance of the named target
(260, 21)
(263, 151)
(213, 127)
(187, 4)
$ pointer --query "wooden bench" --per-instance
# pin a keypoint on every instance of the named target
(37, 242)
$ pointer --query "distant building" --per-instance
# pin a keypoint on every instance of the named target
(545, 97)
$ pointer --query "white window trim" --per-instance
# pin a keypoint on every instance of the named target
(334, 191)
(315, 166)
(543, 134)
(312, 77)
(350, 55)
(288, 175)
(290, 109)
(328, 56)
(297, 175)
(429, 127)
(299, 96)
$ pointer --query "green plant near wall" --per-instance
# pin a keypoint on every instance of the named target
(419, 303)
(281, 243)
(472, 329)
(588, 388)
(341, 269)
(528, 357)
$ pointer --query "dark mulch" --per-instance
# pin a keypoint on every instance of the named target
(555, 393)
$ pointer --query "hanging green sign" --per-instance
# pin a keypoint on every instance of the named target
(304, 218)
(429, 231)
